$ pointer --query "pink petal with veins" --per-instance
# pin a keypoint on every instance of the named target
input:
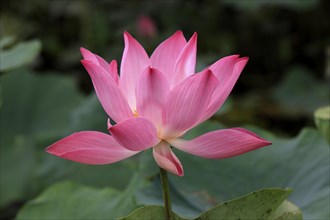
(166, 159)
(135, 134)
(166, 54)
(221, 143)
(108, 92)
(89, 56)
(227, 70)
(187, 102)
(99, 61)
(185, 65)
(113, 70)
(151, 92)
(90, 147)
(135, 60)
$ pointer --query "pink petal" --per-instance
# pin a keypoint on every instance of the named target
(227, 70)
(89, 56)
(185, 65)
(166, 159)
(108, 92)
(113, 70)
(102, 63)
(151, 93)
(135, 60)
(186, 103)
(135, 134)
(90, 147)
(166, 54)
(99, 61)
(221, 143)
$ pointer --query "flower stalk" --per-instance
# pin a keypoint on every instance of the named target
(166, 194)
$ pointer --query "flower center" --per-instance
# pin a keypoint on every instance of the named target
(135, 113)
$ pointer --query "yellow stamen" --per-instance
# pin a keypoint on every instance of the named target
(135, 113)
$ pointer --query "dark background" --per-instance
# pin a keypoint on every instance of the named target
(278, 36)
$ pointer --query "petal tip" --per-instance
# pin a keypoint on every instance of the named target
(86, 53)
(49, 150)
(82, 49)
(127, 36)
(194, 38)
(243, 59)
(267, 142)
(181, 173)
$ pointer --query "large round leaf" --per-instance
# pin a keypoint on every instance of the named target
(32, 108)
(68, 200)
(301, 163)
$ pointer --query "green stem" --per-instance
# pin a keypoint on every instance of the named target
(166, 194)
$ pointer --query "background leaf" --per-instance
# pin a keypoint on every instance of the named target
(262, 204)
(287, 210)
(68, 200)
(301, 163)
(256, 205)
(29, 123)
(300, 93)
(28, 118)
(149, 213)
(19, 55)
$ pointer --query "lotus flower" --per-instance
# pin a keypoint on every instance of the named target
(154, 102)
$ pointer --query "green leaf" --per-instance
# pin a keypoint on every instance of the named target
(300, 93)
(301, 163)
(42, 103)
(322, 121)
(149, 212)
(257, 205)
(287, 210)
(28, 118)
(16, 165)
(262, 204)
(6, 41)
(19, 55)
(68, 200)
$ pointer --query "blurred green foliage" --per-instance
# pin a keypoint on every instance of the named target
(45, 96)
(18, 55)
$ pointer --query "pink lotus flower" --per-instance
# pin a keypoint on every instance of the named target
(155, 102)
